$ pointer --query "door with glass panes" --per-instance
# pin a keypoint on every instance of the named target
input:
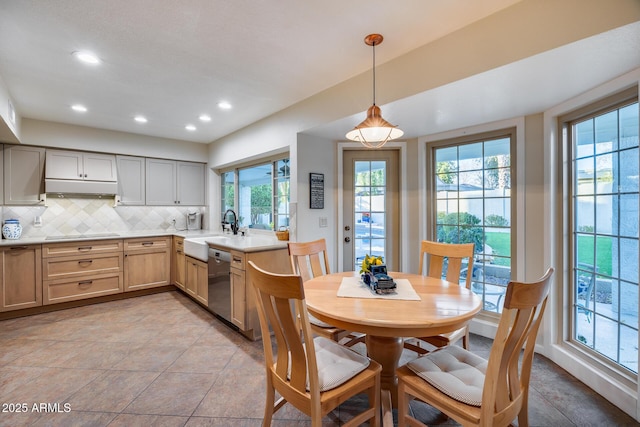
(371, 207)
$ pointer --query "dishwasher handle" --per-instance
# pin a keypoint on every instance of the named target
(219, 256)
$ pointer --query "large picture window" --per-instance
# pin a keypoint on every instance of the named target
(259, 194)
(472, 181)
(604, 220)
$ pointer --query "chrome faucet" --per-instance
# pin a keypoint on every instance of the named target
(234, 224)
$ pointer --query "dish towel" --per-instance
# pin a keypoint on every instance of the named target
(352, 287)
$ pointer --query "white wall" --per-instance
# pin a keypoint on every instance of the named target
(50, 134)
(9, 130)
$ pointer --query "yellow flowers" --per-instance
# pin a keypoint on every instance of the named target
(368, 261)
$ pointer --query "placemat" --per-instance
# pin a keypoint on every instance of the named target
(352, 287)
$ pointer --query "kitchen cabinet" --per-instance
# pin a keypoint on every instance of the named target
(178, 262)
(243, 305)
(197, 280)
(79, 270)
(77, 165)
(131, 180)
(170, 182)
(1, 174)
(147, 262)
(23, 174)
(20, 277)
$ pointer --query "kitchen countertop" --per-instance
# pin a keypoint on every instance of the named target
(252, 243)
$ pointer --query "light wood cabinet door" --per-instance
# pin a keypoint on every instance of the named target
(178, 270)
(23, 175)
(21, 277)
(131, 180)
(147, 263)
(197, 285)
(238, 298)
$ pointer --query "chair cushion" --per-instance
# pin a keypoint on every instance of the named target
(315, 321)
(456, 372)
(336, 363)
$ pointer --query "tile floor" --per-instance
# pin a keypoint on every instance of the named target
(162, 360)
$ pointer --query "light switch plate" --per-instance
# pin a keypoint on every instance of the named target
(323, 222)
(37, 221)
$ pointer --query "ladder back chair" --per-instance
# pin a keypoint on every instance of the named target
(309, 260)
(474, 391)
(455, 255)
(316, 374)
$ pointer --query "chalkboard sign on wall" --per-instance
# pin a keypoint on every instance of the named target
(316, 190)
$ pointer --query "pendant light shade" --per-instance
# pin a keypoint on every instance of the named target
(374, 131)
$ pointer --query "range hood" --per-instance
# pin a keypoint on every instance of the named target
(72, 186)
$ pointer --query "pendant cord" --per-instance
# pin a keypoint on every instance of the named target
(374, 72)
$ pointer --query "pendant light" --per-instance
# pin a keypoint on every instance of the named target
(374, 131)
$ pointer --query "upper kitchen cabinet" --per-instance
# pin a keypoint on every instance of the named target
(23, 173)
(131, 179)
(81, 166)
(175, 183)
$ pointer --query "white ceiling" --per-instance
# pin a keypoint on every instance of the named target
(174, 60)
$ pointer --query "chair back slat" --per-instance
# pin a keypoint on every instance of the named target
(275, 293)
(309, 259)
(454, 254)
(508, 371)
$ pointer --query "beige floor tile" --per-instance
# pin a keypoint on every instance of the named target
(173, 394)
(74, 419)
(133, 420)
(12, 377)
(203, 359)
(112, 391)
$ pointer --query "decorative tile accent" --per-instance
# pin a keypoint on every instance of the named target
(69, 216)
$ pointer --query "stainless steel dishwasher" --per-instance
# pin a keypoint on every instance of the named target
(220, 283)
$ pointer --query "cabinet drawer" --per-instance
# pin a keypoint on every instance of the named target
(57, 268)
(50, 250)
(141, 244)
(237, 260)
(69, 290)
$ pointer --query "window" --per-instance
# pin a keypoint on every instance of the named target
(472, 180)
(604, 222)
(259, 194)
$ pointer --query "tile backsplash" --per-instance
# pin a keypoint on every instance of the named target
(64, 216)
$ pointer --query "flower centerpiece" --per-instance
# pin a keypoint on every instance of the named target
(365, 267)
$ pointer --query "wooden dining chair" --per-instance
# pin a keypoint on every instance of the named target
(309, 260)
(313, 374)
(470, 389)
(454, 254)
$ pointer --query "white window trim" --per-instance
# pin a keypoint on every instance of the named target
(620, 390)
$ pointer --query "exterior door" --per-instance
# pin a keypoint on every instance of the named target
(371, 207)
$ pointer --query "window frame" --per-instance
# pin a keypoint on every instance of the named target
(609, 103)
(509, 131)
(273, 162)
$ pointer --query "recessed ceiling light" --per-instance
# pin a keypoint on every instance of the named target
(86, 57)
(79, 108)
(140, 119)
(224, 105)
(205, 118)
(190, 128)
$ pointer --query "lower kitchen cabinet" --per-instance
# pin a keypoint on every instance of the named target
(243, 305)
(197, 280)
(21, 277)
(79, 270)
(178, 270)
(147, 263)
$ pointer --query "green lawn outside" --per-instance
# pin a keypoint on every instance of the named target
(603, 257)
(501, 245)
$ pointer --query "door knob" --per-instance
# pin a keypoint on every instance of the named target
(347, 228)
(347, 239)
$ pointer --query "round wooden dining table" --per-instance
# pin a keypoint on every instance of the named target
(443, 307)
